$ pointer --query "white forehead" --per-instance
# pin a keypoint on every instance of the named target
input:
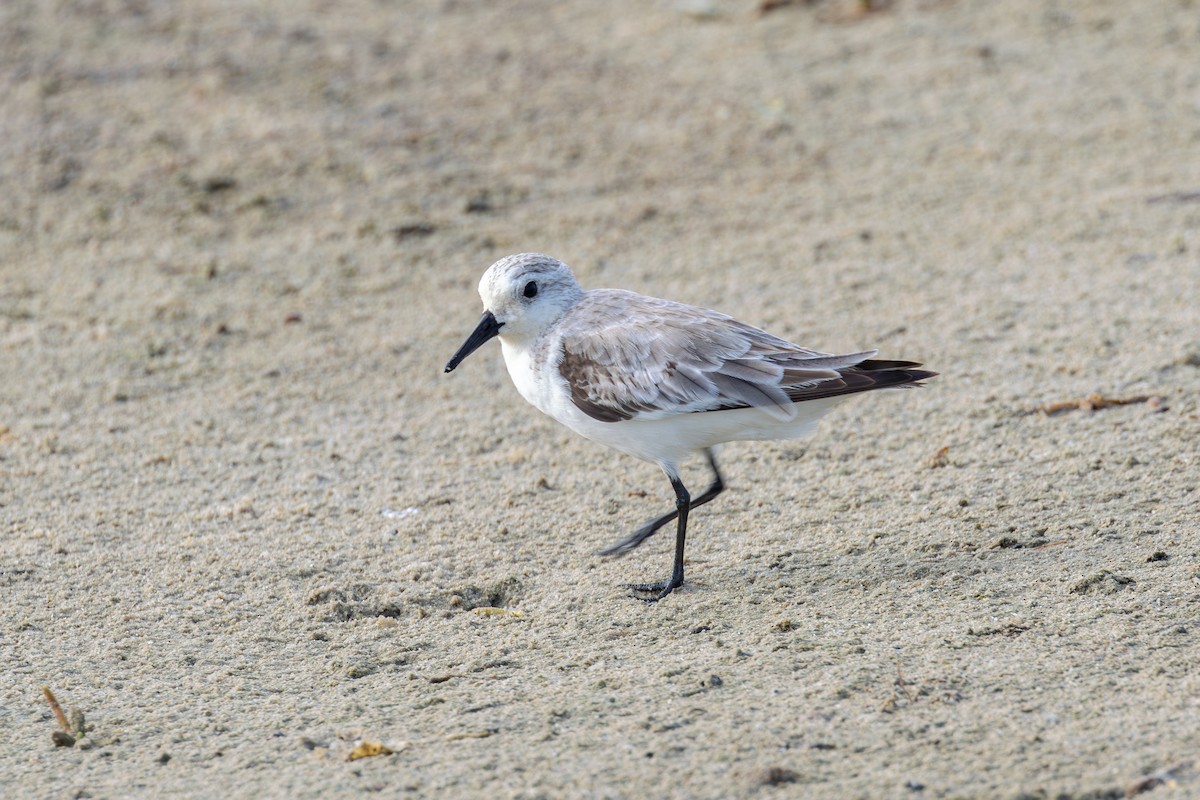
(514, 269)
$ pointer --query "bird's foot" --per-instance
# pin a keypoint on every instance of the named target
(657, 590)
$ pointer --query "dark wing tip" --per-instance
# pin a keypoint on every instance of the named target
(894, 373)
(865, 376)
(875, 364)
(888, 377)
(919, 375)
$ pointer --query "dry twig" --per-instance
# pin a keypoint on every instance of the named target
(1098, 402)
(57, 709)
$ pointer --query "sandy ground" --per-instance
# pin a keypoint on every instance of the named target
(247, 521)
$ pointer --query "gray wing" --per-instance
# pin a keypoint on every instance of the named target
(625, 355)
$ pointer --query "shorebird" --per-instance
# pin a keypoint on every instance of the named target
(657, 379)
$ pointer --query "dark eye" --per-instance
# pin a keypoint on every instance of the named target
(531, 289)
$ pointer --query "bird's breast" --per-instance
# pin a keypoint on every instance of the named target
(535, 376)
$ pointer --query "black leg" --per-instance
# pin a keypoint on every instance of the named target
(660, 589)
(650, 528)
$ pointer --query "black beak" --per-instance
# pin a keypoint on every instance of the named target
(487, 329)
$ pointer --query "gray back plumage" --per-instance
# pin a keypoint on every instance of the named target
(625, 355)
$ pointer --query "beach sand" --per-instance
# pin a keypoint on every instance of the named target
(248, 525)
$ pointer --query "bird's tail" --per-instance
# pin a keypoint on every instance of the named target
(865, 376)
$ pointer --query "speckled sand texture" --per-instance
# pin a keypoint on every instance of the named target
(247, 521)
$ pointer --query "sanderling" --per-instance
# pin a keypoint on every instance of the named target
(659, 380)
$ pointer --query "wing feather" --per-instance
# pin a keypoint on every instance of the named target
(625, 355)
